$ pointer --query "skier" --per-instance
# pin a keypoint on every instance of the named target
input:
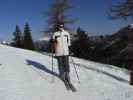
(61, 43)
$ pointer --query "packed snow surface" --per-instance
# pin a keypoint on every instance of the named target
(27, 75)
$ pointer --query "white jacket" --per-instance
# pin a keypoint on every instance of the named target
(63, 42)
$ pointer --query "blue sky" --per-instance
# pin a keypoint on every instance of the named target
(91, 14)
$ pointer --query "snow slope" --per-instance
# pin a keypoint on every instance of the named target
(27, 75)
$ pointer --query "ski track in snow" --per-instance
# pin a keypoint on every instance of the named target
(27, 75)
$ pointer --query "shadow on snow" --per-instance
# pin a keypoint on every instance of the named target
(104, 72)
(42, 67)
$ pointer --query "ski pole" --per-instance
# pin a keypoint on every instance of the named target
(52, 67)
(75, 70)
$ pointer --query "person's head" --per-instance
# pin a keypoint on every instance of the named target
(61, 26)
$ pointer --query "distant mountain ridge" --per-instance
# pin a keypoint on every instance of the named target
(126, 32)
(121, 47)
(115, 49)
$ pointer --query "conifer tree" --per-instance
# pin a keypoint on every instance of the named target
(28, 42)
(57, 14)
(80, 47)
(123, 9)
(17, 40)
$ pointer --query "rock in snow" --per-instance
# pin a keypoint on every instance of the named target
(27, 75)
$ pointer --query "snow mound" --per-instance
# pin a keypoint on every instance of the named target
(27, 75)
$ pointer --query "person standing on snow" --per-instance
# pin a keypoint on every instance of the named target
(61, 43)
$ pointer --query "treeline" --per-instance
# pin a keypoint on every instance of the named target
(23, 39)
(111, 49)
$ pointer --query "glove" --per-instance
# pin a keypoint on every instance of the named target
(71, 53)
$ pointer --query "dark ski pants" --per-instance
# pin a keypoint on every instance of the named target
(130, 64)
(63, 64)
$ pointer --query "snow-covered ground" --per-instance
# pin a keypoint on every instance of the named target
(27, 75)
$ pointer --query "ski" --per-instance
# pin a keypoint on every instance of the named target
(72, 87)
(69, 86)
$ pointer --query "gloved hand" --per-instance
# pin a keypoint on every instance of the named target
(71, 53)
(51, 41)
